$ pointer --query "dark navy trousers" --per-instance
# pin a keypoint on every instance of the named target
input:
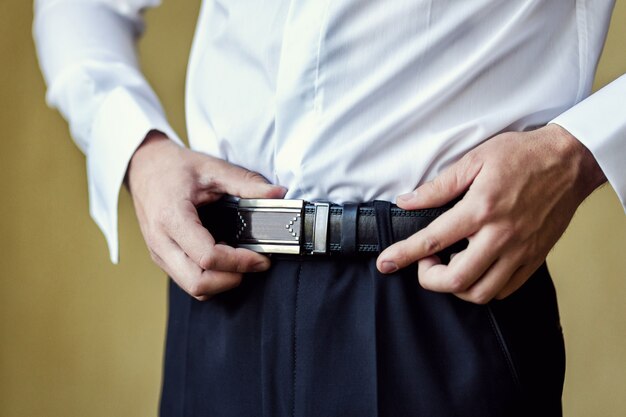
(333, 337)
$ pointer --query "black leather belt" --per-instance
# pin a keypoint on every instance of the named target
(298, 227)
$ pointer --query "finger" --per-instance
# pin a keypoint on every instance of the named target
(517, 280)
(227, 178)
(452, 226)
(228, 259)
(462, 271)
(497, 277)
(448, 185)
(185, 228)
(189, 276)
(430, 264)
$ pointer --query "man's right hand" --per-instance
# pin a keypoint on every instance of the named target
(167, 182)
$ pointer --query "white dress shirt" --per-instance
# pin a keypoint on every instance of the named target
(344, 100)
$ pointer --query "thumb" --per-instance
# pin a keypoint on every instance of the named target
(240, 182)
(447, 186)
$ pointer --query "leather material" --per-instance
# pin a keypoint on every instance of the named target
(221, 219)
(383, 224)
(349, 229)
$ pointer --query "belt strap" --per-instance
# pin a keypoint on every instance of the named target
(302, 228)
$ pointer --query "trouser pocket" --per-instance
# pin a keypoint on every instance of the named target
(527, 324)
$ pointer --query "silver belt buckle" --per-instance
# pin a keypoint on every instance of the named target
(270, 225)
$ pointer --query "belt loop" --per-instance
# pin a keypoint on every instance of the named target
(349, 226)
(383, 224)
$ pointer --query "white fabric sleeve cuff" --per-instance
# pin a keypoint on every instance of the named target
(86, 49)
(599, 122)
(122, 122)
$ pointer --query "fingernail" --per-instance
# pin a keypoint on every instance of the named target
(388, 267)
(260, 266)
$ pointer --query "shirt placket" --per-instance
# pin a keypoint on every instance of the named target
(299, 88)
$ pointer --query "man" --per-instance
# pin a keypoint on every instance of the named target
(352, 102)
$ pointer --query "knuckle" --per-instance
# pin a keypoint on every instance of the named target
(206, 178)
(480, 297)
(485, 209)
(196, 289)
(471, 160)
(501, 295)
(252, 176)
(432, 244)
(236, 261)
(459, 175)
(207, 261)
(151, 241)
(241, 267)
(501, 237)
(165, 216)
(221, 282)
(183, 207)
(400, 255)
(506, 233)
(235, 281)
(456, 283)
(434, 187)
(510, 289)
(424, 282)
(463, 171)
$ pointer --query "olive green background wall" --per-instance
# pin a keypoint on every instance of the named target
(82, 337)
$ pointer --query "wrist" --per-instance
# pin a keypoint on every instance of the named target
(145, 151)
(589, 175)
(153, 138)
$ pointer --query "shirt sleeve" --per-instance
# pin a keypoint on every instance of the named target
(86, 50)
(599, 122)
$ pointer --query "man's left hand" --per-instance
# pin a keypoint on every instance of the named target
(521, 191)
